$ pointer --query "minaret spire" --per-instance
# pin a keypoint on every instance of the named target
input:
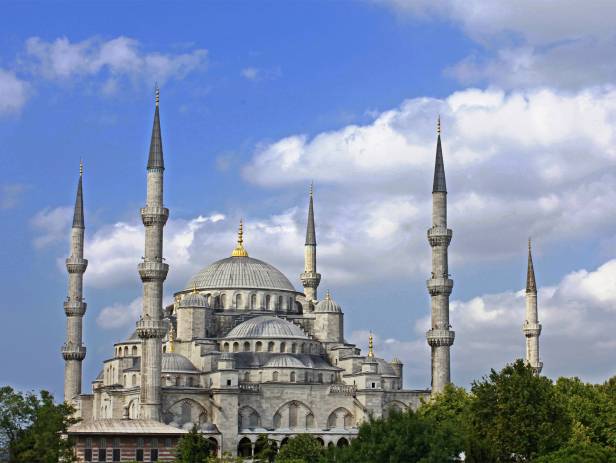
(73, 350)
(310, 278)
(440, 337)
(153, 272)
(532, 327)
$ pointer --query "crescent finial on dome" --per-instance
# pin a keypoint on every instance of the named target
(239, 250)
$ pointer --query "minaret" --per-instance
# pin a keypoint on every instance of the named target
(310, 278)
(153, 271)
(532, 328)
(73, 350)
(440, 337)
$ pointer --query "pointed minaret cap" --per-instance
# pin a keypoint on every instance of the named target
(370, 345)
(239, 250)
(155, 159)
(531, 284)
(78, 221)
(439, 185)
(311, 236)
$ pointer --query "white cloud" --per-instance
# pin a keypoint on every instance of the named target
(122, 56)
(51, 225)
(578, 315)
(259, 74)
(10, 194)
(250, 73)
(14, 92)
(119, 315)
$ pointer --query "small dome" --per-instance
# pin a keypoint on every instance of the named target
(267, 326)
(284, 361)
(328, 305)
(193, 299)
(172, 362)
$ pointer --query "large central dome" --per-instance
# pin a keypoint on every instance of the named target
(240, 272)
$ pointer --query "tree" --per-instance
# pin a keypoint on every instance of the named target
(193, 448)
(265, 449)
(302, 448)
(34, 428)
(581, 452)
(515, 416)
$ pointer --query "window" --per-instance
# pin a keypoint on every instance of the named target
(293, 408)
(189, 381)
(246, 346)
(247, 377)
(126, 351)
(238, 301)
(279, 306)
(292, 376)
(134, 351)
(275, 376)
(294, 348)
(268, 299)
(154, 455)
(228, 382)
(320, 377)
(283, 347)
(253, 301)
(223, 300)
(134, 380)
(168, 442)
(258, 346)
(116, 455)
(102, 454)
(139, 455)
(225, 347)
(270, 346)
(373, 385)
(236, 347)
(87, 454)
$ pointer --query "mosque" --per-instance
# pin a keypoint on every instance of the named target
(241, 352)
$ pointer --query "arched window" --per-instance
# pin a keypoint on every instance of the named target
(331, 378)
(279, 306)
(293, 415)
(177, 380)
(246, 346)
(223, 300)
(283, 347)
(236, 347)
(134, 380)
(164, 348)
(244, 448)
(258, 346)
(268, 299)
(225, 347)
(277, 420)
(294, 348)
(189, 381)
(238, 301)
(292, 376)
(302, 348)
(348, 421)
(310, 422)
(217, 302)
(320, 377)
(253, 301)
(270, 346)
(247, 376)
(125, 351)
(342, 442)
(275, 376)
(291, 304)
(134, 351)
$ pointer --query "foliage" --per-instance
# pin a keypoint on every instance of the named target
(515, 416)
(33, 428)
(402, 437)
(302, 448)
(226, 458)
(265, 449)
(583, 452)
(193, 447)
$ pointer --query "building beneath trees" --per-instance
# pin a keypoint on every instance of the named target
(240, 352)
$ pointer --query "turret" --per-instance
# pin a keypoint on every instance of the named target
(440, 337)
(328, 321)
(310, 278)
(73, 350)
(153, 271)
(532, 328)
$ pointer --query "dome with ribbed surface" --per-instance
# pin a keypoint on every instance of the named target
(267, 327)
(284, 361)
(328, 305)
(240, 272)
(193, 300)
(172, 362)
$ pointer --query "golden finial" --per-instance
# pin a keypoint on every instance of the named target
(328, 296)
(529, 244)
(157, 92)
(194, 287)
(239, 250)
(438, 125)
(370, 346)
(81, 167)
(171, 339)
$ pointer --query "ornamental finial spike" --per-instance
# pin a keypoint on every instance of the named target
(157, 92)
(328, 296)
(171, 339)
(438, 125)
(311, 189)
(239, 250)
(529, 244)
(371, 346)
(81, 167)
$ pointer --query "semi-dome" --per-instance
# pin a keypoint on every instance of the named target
(172, 362)
(284, 361)
(267, 327)
(240, 272)
(328, 305)
(193, 299)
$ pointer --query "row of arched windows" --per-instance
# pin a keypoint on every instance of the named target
(124, 352)
(242, 301)
(272, 346)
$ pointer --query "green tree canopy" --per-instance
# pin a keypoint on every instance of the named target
(193, 448)
(302, 448)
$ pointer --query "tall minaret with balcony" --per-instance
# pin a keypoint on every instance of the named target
(440, 337)
(310, 278)
(73, 350)
(532, 328)
(153, 271)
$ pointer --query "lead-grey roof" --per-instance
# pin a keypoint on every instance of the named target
(268, 359)
(311, 236)
(284, 361)
(327, 305)
(78, 221)
(155, 158)
(173, 362)
(267, 326)
(242, 273)
(193, 300)
(439, 185)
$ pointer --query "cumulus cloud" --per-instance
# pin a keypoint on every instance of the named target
(528, 43)
(116, 58)
(10, 194)
(518, 163)
(14, 92)
(258, 74)
(578, 315)
(119, 315)
(51, 225)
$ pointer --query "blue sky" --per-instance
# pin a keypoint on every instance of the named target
(260, 98)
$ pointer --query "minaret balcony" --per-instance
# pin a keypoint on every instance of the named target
(310, 279)
(149, 328)
(439, 236)
(154, 215)
(438, 338)
(531, 329)
(71, 351)
(153, 271)
(76, 265)
(75, 308)
(440, 286)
